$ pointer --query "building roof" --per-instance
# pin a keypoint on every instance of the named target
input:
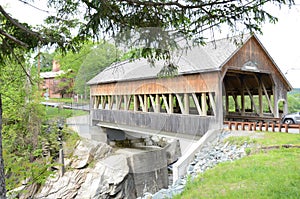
(207, 58)
(47, 75)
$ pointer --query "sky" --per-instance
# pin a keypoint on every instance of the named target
(282, 40)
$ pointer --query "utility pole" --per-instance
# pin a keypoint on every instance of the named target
(39, 65)
(61, 150)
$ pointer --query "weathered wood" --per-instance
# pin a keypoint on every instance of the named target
(171, 105)
(267, 97)
(153, 104)
(118, 101)
(251, 98)
(186, 103)
(157, 102)
(212, 102)
(136, 103)
(203, 104)
(145, 103)
(197, 83)
(260, 101)
(141, 100)
(196, 101)
(166, 104)
(126, 104)
(180, 103)
(177, 123)
(110, 102)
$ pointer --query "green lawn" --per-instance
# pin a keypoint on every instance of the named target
(264, 174)
(54, 112)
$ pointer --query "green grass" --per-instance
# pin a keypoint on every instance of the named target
(68, 100)
(53, 113)
(265, 174)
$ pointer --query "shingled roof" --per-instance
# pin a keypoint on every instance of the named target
(210, 57)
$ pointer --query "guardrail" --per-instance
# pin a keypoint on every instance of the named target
(261, 126)
(64, 105)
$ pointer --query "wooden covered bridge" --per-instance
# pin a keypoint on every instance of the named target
(216, 82)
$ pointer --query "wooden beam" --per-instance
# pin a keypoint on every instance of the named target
(119, 102)
(260, 100)
(196, 101)
(153, 104)
(157, 102)
(180, 103)
(94, 98)
(267, 97)
(166, 103)
(141, 100)
(203, 104)
(226, 102)
(251, 98)
(125, 97)
(243, 99)
(186, 103)
(171, 103)
(236, 104)
(135, 102)
(145, 103)
(212, 102)
(110, 101)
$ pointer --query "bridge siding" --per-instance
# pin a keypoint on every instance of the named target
(176, 123)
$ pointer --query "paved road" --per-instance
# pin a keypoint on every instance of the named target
(75, 106)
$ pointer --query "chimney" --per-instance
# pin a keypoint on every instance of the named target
(55, 66)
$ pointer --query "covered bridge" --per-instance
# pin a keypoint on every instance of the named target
(216, 82)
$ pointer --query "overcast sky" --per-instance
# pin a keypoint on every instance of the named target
(282, 40)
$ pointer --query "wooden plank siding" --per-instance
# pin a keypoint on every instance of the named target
(176, 123)
(267, 76)
(204, 82)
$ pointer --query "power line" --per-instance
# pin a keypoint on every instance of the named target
(34, 6)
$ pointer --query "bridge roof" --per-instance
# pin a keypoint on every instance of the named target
(208, 58)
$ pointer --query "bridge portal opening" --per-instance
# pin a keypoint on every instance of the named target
(248, 95)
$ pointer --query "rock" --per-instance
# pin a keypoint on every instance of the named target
(86, 151)
(106, 178)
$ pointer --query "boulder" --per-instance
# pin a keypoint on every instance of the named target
(107, 179)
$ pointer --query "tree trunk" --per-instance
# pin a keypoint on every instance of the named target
(2, 176)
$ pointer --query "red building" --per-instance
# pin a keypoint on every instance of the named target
(51, 81)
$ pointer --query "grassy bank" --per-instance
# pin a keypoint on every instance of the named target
(263, 174)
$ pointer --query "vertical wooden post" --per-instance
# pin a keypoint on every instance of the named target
(125, 102)
(157, 103)
(141, 102)
(196, 101)
(180, 103)
(212, 103)
(109, 102)
(117, 101)
(135, 102)
(145, 103)
(260, 100)
(171, 103)
(243, 99)
(186, 103)
(203, 104)
(227, 103)
(166, 103)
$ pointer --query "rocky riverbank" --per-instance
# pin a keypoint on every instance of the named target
(209, 156)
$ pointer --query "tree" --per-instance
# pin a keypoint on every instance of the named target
(100, 56)
(168, 20)
(158, 25)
